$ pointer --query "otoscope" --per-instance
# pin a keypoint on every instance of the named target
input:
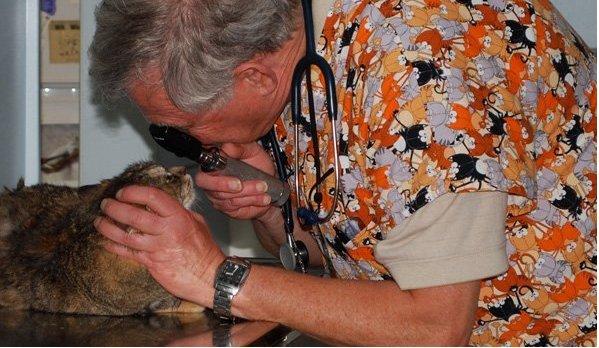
(211, 160)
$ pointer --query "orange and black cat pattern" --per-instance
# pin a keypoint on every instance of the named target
(444, 96)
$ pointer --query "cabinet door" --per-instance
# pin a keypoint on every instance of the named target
(19, 92)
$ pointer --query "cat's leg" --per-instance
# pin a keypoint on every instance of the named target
(189, 307)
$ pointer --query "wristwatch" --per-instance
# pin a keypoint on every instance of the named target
(230, 276)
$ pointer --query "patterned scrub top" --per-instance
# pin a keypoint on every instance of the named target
(440, 96)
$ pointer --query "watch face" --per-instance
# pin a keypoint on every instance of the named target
(233, 272)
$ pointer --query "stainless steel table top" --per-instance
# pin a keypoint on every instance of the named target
(27, 328)
(24, 328)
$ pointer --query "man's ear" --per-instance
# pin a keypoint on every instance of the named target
(258, 77)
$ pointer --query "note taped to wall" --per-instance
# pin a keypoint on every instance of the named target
(64, 41)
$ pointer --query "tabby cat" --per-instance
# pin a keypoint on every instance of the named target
(52, 258)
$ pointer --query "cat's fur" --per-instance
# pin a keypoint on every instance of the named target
(52, 258)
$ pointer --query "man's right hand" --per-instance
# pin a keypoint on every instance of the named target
(239, 199)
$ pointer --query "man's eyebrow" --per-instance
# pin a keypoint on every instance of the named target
(180, 126)
(184, 129)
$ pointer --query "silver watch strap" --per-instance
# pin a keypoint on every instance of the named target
(222, 304)
(230, 277)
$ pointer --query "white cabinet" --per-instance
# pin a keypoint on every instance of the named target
(59, 92)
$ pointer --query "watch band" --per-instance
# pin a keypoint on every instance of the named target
(222, 304)
(230, 277)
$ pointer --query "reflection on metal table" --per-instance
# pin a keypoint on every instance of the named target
(23, 328)
(29, 328)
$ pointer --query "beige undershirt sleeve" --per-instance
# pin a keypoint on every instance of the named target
(453, 239)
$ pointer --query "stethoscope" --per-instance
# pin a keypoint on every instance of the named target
(294, 254)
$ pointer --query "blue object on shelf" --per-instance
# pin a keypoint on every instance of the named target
(49, 7)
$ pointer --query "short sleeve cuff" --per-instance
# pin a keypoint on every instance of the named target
(453, 239)
(411, 275)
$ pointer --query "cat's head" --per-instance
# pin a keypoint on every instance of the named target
(174, 181)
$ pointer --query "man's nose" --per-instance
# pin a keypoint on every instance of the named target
(178, 170)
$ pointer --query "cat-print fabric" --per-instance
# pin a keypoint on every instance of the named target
(440, 96)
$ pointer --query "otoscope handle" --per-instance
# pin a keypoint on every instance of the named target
(277, 190)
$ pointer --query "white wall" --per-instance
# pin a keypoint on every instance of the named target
(19, 92)
(113, 136)
(110, 138)
(582, 15)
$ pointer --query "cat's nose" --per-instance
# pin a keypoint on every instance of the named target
(178, 170)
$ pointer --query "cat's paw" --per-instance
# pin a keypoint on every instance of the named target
(183, 307)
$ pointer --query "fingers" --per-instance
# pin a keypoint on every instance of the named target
(211, 182)
(236, 198)
(117, 235)
(125, 252)
(129, 215)
(238, 202)
(241, 151)
(199, 218)
(157, 200)
(229, 205)
(225, 187)
(252, 154)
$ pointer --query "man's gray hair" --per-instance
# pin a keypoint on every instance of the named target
(196, 44)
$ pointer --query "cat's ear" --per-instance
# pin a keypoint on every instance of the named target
(20, 186)
(103, 184)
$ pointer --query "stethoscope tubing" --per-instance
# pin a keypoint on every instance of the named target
(295, 252)
(304, 68)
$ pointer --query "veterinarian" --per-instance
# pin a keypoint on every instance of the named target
(466, 146)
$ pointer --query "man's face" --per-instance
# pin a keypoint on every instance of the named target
(241, 120)
(260, 92)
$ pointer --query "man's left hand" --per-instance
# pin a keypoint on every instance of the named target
(173, 243)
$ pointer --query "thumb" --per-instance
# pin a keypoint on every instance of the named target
(252, 154)
(198, 217)
(241, 151)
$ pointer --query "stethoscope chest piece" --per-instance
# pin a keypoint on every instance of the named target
(294, 260)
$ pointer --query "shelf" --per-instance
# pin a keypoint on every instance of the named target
(60, 85)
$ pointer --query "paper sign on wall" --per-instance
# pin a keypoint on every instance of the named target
(64, 41)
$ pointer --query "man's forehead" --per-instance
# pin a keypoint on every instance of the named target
(152, 99)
